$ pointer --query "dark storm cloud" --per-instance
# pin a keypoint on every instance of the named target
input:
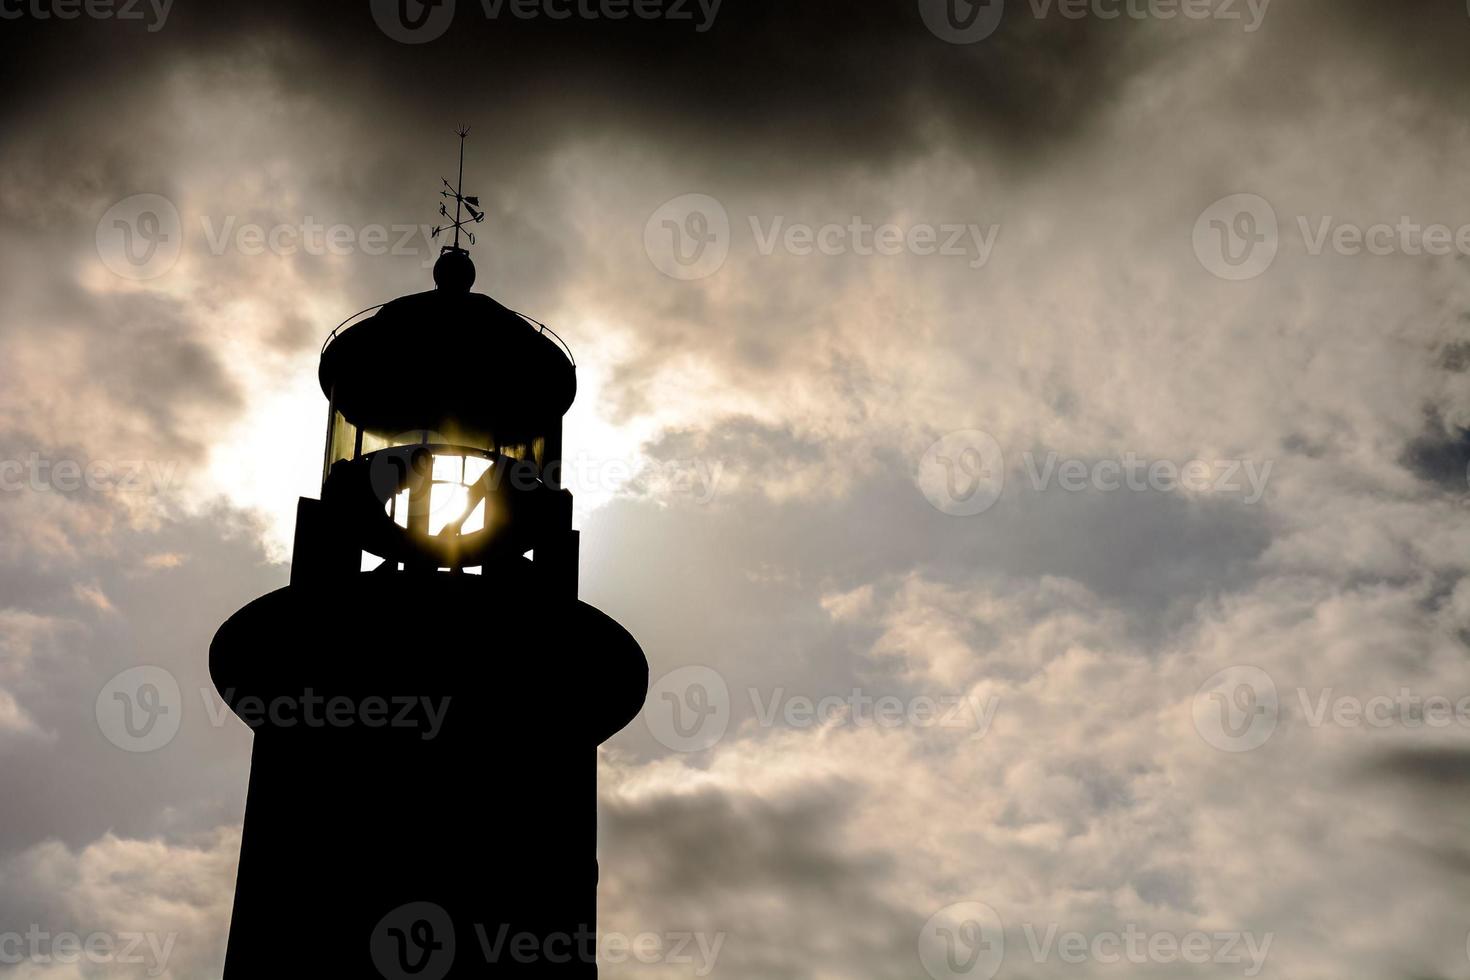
(1422, 41)
(794, 85)
(1143, 549)
(797, 87)
(1441, 455)
(772, 876)
(1436, 780)
(1443, 770)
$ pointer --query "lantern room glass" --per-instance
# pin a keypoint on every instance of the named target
(346, 441)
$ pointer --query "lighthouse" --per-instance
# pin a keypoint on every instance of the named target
(428, 693)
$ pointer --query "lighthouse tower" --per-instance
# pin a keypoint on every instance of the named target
(422, 799)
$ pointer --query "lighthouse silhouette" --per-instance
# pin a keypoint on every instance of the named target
(428, 693)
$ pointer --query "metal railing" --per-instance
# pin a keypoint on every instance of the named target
(544, 329)
(338, 329)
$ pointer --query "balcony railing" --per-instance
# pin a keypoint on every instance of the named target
(347, 322)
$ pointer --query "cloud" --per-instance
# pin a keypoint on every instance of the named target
(131, 908)
(803, 389)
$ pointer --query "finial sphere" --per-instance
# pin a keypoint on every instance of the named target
(454, 271)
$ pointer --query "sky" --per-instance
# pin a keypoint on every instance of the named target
(1028, 440)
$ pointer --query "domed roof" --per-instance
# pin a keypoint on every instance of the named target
(446, 354)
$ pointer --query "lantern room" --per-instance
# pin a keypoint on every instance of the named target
(443, 445)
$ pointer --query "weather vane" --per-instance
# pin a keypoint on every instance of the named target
(461, 203)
